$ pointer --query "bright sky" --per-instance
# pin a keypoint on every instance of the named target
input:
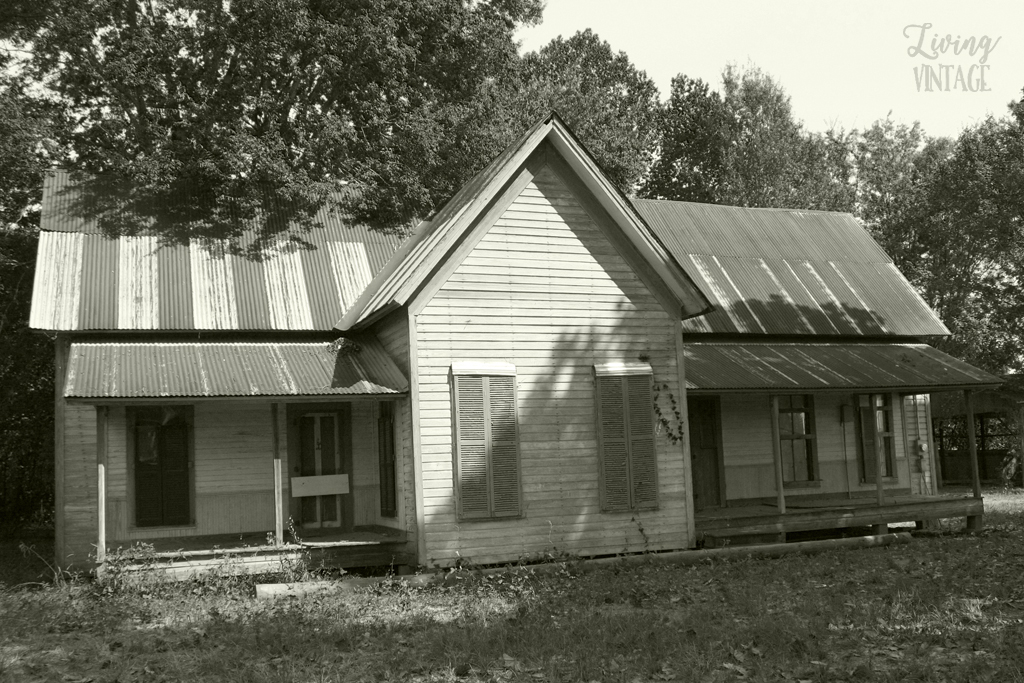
(844, 63)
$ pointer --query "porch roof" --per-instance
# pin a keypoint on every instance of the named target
(197, 369)
(750, 366)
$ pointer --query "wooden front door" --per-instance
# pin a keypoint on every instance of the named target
(706, 452)
(319, 455)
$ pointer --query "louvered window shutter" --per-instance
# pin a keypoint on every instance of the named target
(614, 446)
(643, 461)
(629, 464)
(504, 447)
(487, 449)
(471, 437)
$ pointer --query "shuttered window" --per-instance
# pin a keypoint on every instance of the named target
(486, 441)
(625, 421)
(162, 445)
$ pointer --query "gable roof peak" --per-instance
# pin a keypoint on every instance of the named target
(410, 269)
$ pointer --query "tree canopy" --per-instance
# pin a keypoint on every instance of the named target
(216, 110)
(743, 147)
(610, 104)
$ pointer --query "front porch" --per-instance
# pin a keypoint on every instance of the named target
(257, 552)
(717, 526)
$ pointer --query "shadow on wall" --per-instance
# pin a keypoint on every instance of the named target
(558, 327)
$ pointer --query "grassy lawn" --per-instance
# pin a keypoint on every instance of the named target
(942, 608)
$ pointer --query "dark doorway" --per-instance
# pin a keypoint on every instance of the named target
(706, 452)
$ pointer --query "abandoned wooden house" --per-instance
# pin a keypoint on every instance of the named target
(517, 376)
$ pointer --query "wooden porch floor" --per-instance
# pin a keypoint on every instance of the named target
(831, 513)
(183, 556)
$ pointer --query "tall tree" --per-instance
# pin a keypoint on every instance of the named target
(972, 243)
(261, 108)
(743, 147)
(951, 214)
(610, 104)
(27, 128)
(694, 142)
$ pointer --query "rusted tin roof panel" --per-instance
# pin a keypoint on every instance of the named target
(783, 272)
(821, 367)
(193, 370)
(86, 281)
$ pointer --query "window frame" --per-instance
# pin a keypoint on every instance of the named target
(486, 371)
(387, 459)
(809, 438)
(889, 471)
(132, 469)
(606, 374)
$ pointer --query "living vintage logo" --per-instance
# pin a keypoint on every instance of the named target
(970, 53)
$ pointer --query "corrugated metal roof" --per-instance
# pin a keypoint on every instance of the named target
(407, 271)
(819, 367)
(184, 370)
(85, 281)
(788, 272)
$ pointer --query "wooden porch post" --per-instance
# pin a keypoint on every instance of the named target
(933, 450)
(777, 454)
(101, 486)
(278, 502)
(974, 522)
(879, 462)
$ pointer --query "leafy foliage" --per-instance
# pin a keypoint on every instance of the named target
(694, 130)
(214, 111)
(605, 99)
(951, 214)
(26, 390)
(27, 147)
(744, 148)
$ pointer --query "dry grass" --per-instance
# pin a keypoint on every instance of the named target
(944, 608)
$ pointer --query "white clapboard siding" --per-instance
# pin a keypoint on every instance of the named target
(545, 290)
(747, 444)
(233, 447)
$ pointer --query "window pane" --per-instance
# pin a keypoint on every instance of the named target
(800, 471)
(146, 449)
(788, 469)
(328, 448)
(785, 424)
(887, 469)
(799, 423)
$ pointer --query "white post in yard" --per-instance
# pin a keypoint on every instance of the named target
(101, 485)
(278, 503)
